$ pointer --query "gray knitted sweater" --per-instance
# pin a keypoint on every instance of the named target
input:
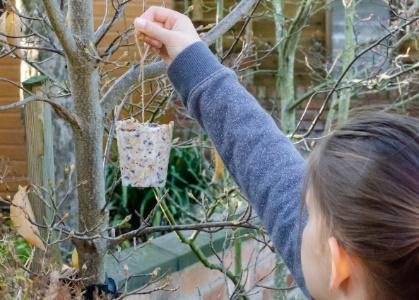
(262, 161)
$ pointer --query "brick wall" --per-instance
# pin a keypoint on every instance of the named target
(186, 278)
(199, 282)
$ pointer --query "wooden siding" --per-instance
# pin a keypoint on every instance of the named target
(12, 140)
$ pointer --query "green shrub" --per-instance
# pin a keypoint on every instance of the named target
(189, 177)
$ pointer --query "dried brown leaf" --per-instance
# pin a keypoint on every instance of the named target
(219, 166)
(22, 217)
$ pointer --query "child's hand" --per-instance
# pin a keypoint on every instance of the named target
(166, 31)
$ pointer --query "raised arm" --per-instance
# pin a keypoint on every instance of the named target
(263, 162)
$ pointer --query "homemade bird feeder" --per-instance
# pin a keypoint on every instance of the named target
(144, 148)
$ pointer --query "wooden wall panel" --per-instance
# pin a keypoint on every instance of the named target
(12, 140)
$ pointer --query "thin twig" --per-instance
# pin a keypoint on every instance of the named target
(342, 76)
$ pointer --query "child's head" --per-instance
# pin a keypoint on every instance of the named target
(362, 195)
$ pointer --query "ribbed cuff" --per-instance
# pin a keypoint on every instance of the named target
(192, 66)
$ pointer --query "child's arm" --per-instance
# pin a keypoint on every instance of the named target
(263, 162)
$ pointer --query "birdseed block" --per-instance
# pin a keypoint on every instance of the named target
(144, 150)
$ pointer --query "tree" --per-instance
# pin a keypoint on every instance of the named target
(64, 32)
(287, 37)
(371, 53)
(77, 45)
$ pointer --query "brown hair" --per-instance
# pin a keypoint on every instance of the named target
(365, 180)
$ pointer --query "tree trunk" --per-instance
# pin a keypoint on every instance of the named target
(219, 17)
(287, 36)
(84, 83)
(339, 108)
(348, 56)
(286, 88)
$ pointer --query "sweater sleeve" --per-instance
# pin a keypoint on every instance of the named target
(263, 162)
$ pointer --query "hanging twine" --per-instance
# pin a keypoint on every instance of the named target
(143, 55)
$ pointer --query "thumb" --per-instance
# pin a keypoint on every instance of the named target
(152, 30)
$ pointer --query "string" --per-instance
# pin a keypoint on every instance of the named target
(143, 56)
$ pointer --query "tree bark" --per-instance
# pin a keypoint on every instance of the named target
(287, 36)
(339, 107)
(84, 83)
(348, 55)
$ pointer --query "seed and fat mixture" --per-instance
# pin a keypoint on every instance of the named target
(144, 150)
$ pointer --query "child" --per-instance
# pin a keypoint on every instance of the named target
(360, 186)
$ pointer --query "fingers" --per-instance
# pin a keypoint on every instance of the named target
(153, 43)
(155, 50)
(162, 53)
(152, 31)
(166, 31)
(162, 15)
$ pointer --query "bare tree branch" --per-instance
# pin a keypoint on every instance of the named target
(170, 228)
(401, 72)
(229, 21)
(49, 49)
(18, 103)
(106, 26)
(342, 76)
(16, 84)
(58, 23)
(58, 108)
(123, 84)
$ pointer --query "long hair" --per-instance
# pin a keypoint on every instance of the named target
(365, 180)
